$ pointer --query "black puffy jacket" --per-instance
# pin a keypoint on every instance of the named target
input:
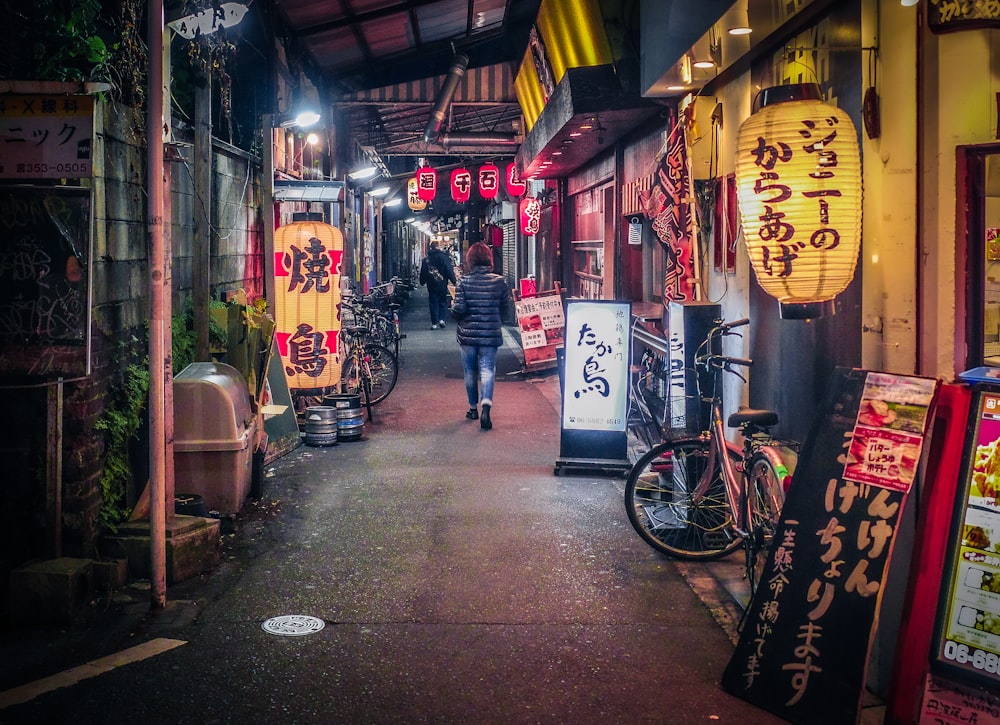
(480, 299)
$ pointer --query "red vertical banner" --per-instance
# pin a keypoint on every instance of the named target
(669, 204)
(725, 230)
(307, 260)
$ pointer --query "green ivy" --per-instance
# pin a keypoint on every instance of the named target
(67, 46)
(120, 423)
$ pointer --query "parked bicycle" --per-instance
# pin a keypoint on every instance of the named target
(382, 324)
(369, 369)
(698, 497)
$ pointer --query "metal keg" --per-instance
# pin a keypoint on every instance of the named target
(350, 421)
(321, 425)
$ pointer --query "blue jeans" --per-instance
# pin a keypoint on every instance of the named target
(481, 359)
(438, 305)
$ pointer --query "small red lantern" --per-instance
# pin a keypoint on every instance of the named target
(515, 187)
(461, 185)
(427, 180)
(531, 212)
(489, 181)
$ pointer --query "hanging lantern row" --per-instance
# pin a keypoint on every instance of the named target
(425, 183)
(798, 176)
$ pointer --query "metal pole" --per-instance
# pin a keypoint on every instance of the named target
(154, 181)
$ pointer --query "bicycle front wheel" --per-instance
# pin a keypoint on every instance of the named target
(374, 372)
(668, 511)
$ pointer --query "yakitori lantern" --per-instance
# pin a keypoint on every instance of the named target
(307, 259)
(461, 185)
(798, 176)
(512, 180)
(530, 212)
(489, 181)
(413, 197)
(427, 180)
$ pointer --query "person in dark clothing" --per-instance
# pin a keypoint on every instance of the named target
(480, 299)
(436, 271)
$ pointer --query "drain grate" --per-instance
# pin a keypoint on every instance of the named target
(293, 625)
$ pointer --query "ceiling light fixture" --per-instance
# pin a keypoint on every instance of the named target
(908, 3)
(365, 172)
(379, 191)
(704, 64)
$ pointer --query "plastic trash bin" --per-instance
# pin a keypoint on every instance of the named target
(214, 432)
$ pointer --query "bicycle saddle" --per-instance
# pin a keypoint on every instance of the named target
(763, 418)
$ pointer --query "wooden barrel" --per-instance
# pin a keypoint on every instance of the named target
(350, 421)
(321, 425)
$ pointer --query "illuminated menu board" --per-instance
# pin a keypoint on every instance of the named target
(968, 625)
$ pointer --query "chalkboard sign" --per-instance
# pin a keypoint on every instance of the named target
(44, 265)
(804, 647)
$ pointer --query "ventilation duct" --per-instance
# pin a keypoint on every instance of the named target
(451, 81)
(479, 139)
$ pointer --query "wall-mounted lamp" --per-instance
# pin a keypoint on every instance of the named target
(908, 3)
(392, 202)
(305, 119)
(379, 191)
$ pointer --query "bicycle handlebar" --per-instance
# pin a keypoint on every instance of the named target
(723, 361)
(734, 324)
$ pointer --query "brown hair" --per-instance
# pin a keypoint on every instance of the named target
(479, 255)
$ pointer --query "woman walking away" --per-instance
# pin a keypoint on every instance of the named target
(480, 299)
(436, 272)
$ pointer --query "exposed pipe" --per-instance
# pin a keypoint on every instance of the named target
(455, 74)
(476, 139)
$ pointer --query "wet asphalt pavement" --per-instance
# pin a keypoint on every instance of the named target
(456, 579)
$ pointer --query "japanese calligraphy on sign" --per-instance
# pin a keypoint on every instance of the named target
(804, 648)
(307, 263)
(46, 137)
(948, 15)
(540, 320)
(595, 395)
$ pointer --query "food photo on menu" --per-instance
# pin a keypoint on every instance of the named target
(887, 438)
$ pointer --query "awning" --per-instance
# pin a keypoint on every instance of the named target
(308, 190)
(589, 96)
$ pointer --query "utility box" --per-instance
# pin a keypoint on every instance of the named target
(214, 435)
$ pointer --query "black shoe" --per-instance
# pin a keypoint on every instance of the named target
(484, 420)
(472, 414)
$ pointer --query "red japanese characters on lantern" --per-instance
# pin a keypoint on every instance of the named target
(798, 175)
(307, 261)
(413, 196)
(461, 185)
(530, 212)
(489, 181)
(427, 180)
(515, 187)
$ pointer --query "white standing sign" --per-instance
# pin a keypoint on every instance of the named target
(595, 393)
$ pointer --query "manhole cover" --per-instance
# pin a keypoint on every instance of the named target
(293, 625)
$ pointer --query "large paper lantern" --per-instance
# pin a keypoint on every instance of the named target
(798, 175)
(413, 197)
(489, 181)
(461, 185)
(530, 213)
(427, 180)
(512, 180)
(307, 260)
